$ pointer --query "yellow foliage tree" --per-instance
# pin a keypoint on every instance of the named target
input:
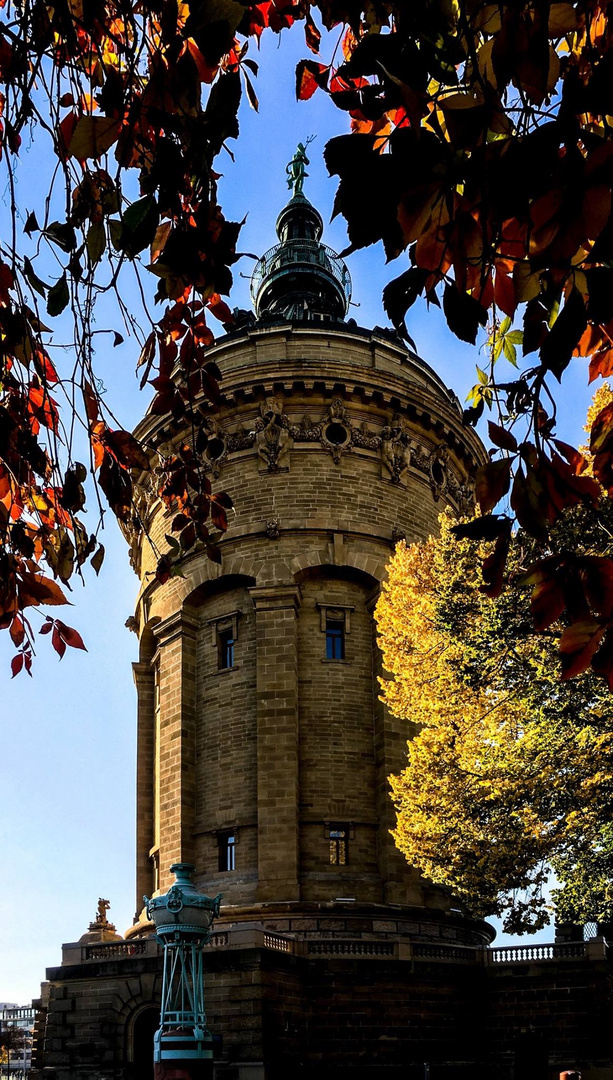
(510, 771)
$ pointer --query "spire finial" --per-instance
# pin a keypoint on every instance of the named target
(296, 168)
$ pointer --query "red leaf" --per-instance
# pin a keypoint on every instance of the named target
(70, 636)
(34, 589)
(597, 576)
(163, 570)
(572, 456)
(17, 631)
(493, 566)
(58, 643)
(546, 603)
(16, 664)
(578, 644)
(312, 35)
(219, 516)
(91, 402)
(127, 449)
(501, 437)
(220, 309)
(492, 483)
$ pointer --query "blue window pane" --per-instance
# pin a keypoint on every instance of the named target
(335, 640)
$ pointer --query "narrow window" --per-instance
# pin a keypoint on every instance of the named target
(338, 846)
(155, 867)
(227, 851)
(226, 643)
(335, 635)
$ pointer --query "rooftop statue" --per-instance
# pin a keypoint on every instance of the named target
(296, 169)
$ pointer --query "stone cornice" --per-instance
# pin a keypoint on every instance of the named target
(275, 597)
(180, 624)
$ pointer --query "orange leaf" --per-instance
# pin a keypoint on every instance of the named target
(309, 76)
(601, 364)
(35, 589)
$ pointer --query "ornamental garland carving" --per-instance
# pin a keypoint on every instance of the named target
(273, 436)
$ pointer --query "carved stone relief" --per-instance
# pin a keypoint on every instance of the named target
(395, 450)
(336, 431)
(273, 440)
(216, 450)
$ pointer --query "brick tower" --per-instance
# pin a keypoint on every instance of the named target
(263, 748)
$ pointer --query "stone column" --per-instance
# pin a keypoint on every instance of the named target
(144, 678)
(276, 609)
(177, 640)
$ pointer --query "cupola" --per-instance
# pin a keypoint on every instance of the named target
(300, 278)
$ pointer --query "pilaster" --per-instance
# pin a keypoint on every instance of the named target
(276, 610)
(144, 678)
(175, 810)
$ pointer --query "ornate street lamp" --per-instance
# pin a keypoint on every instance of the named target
(183, 918)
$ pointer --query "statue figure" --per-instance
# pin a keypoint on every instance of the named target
(103, 907)
(101, 924)
(272, 439)
(395, 449)
(296, 169)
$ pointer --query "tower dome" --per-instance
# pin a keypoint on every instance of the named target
(300, 278)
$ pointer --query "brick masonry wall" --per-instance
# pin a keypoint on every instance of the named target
(226, 748)
(309, 737)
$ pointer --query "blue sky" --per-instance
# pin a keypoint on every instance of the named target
(67, 766)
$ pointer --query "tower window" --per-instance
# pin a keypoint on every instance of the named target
(227, 851)
(339, 835)
(224, 636)
(226, 642)
(335, 635)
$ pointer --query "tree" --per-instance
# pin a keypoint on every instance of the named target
(13, 1042)
(481, 142)
(510, 769)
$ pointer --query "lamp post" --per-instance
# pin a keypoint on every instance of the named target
(183, 917)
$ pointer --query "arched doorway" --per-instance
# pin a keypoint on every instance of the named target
(144, 1026)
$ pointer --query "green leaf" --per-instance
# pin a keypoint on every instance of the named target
(58, 296)
(33, 280)
(92, 137)
(62, 234)
(516, 337)
(31, 224)
(98, 558)
(483, 378)
(115, 230)
(96, 242)
(509, 352)
(137, 212)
